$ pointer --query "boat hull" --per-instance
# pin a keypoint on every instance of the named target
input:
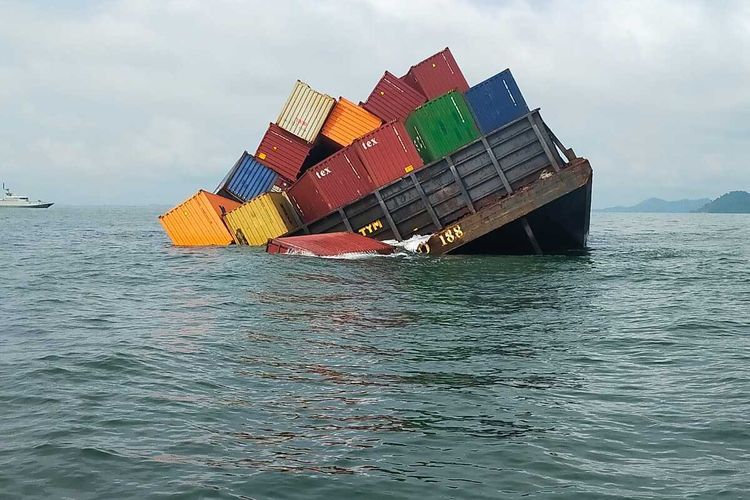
(549, 216)
(30, 205)
(559, 227)
(509, 192)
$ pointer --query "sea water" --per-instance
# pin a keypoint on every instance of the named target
(133, 369)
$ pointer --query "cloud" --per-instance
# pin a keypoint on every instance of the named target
(134, 101)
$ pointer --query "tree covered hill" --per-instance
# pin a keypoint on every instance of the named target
(734, 202)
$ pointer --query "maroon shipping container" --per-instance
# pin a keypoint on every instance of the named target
(328, 245)
(306, 198)
(282, 152)
(332, 183)
(281, 184)
(437, 75)
(388, 153)
(393, 99)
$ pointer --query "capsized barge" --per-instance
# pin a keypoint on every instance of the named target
(516, 190)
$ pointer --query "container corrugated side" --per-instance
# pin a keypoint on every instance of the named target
(437, 75)
(348, 122)
(332, 183)
(198, 220)
(305, 112)
(261, 219)
(388, 153)
(247, 179)
(328, 244)
(393, 99)
(496, 101)
(282, 152)
(441, 126)
(307, 200)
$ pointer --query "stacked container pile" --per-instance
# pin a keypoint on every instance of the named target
(321, 153)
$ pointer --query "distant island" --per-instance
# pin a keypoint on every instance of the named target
(737, 202)
(734, 202)
(657, 205)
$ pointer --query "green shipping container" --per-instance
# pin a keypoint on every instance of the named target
(441, 126)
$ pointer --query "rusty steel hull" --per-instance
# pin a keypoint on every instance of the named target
(549, 216)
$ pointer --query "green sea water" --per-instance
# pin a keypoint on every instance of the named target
(132, 369)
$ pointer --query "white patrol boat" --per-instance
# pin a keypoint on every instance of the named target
(10, 200)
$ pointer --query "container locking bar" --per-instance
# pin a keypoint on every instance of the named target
(499, 170)
(388, 216)
(426, 202)
(460, 184)
(344, 218)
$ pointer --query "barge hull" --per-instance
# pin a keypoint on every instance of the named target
(516, 190)
(550, 216)
(436, 195)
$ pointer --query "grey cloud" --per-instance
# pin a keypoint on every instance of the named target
(135, 101)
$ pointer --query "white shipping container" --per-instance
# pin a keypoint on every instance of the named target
(305, 112)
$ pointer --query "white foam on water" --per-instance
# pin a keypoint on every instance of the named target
(410, 245)
(404, 248)
(362, 255)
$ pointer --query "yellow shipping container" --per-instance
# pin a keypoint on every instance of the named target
(348, 122)
(197, 221)
(265, 217)
(305, 112)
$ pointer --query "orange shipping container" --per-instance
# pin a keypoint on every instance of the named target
(197, 221)
(348, 122)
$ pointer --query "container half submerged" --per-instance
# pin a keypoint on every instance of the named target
(198, 221)
(329, 245)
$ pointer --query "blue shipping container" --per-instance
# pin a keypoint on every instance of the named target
(496, 101)
(247, 179)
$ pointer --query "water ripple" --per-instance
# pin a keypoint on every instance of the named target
(132, 369)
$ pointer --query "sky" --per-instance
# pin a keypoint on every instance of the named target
(144, 102)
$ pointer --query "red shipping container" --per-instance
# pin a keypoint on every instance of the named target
(437, 75)
(328, 244)
(393, 99)
(388, 153)
(332, 183)
(282, 152)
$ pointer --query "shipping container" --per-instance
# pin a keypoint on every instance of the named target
(263, 218)
(464, 182)
(441, 126)
(198, 220)
(436, 75)
(282, 152)
(348, 122)
(330, 184)
(305, 112)
(280, 185)
(328, 245)
(393, 99)
(388, 153)
(496, 101)
(322, 149)
(247, 179)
